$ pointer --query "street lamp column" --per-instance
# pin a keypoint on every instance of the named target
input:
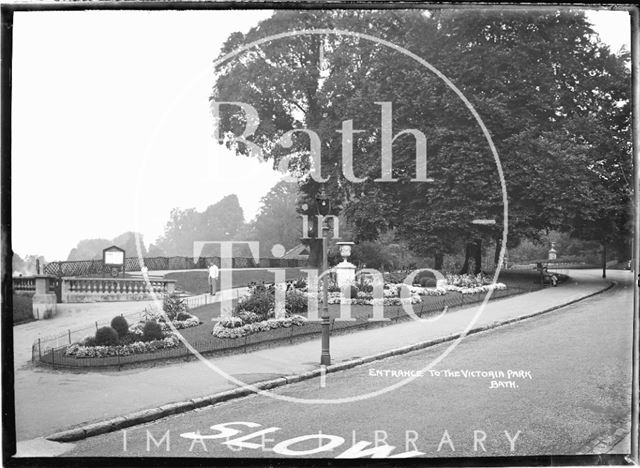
(325, 357)
(324, 207)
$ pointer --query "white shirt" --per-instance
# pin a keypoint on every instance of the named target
(213, 272)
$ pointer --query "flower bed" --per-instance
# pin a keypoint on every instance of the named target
(152, 333)
(391, 295)
(236, 327)
(137, 347)
(182, 320)
(476, 289)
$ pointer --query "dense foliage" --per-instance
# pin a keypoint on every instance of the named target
(106, 336)
(152, 331)
(174, 306)
(120, 325)
(554, 98)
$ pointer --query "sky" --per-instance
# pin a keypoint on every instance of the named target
(111, 126)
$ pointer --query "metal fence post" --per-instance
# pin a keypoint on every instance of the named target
(69, 335)
(39, 350)
(96, 325)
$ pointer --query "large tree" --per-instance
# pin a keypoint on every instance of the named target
(554, 99)
(277, 221)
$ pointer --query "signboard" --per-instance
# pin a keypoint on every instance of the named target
(113, 256)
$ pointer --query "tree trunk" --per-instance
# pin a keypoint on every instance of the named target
(315, 253)
(604, 261)
(438, 261)
(496, 256)
(467, 254)
(478, 256)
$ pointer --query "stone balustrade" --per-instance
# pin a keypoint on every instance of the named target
(25, 284)
(113, 289)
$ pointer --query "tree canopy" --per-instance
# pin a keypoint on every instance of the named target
(554, 98)
(277, 221)
(91, 249)
(220, 221)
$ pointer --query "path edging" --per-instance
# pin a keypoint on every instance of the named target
(144, 416)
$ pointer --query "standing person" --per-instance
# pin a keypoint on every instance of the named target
(214, 272)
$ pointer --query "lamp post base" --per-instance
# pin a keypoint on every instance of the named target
(325, 356)
(325, 360)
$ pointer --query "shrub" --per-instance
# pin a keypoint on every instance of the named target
(119, 324)
(261, 301)
(248, 317)
(90, 341)
(366, 288)
(183, 316)
(129, 339)
(350, 292)
(295, 303)
(300, 283)
(151, 331)
(106, 336)
(173, 305)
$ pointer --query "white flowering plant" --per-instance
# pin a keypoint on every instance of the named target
(180, 321)
(234, 327)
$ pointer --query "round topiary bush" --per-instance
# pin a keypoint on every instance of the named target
(152, 331)
(119, 324)
(106, 336)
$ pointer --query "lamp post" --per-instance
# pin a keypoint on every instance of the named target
(323, 205)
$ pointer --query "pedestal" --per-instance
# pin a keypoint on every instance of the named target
(345, 273)
(553, 253)
(44, 306)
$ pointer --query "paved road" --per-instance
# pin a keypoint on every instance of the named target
(574, 389)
